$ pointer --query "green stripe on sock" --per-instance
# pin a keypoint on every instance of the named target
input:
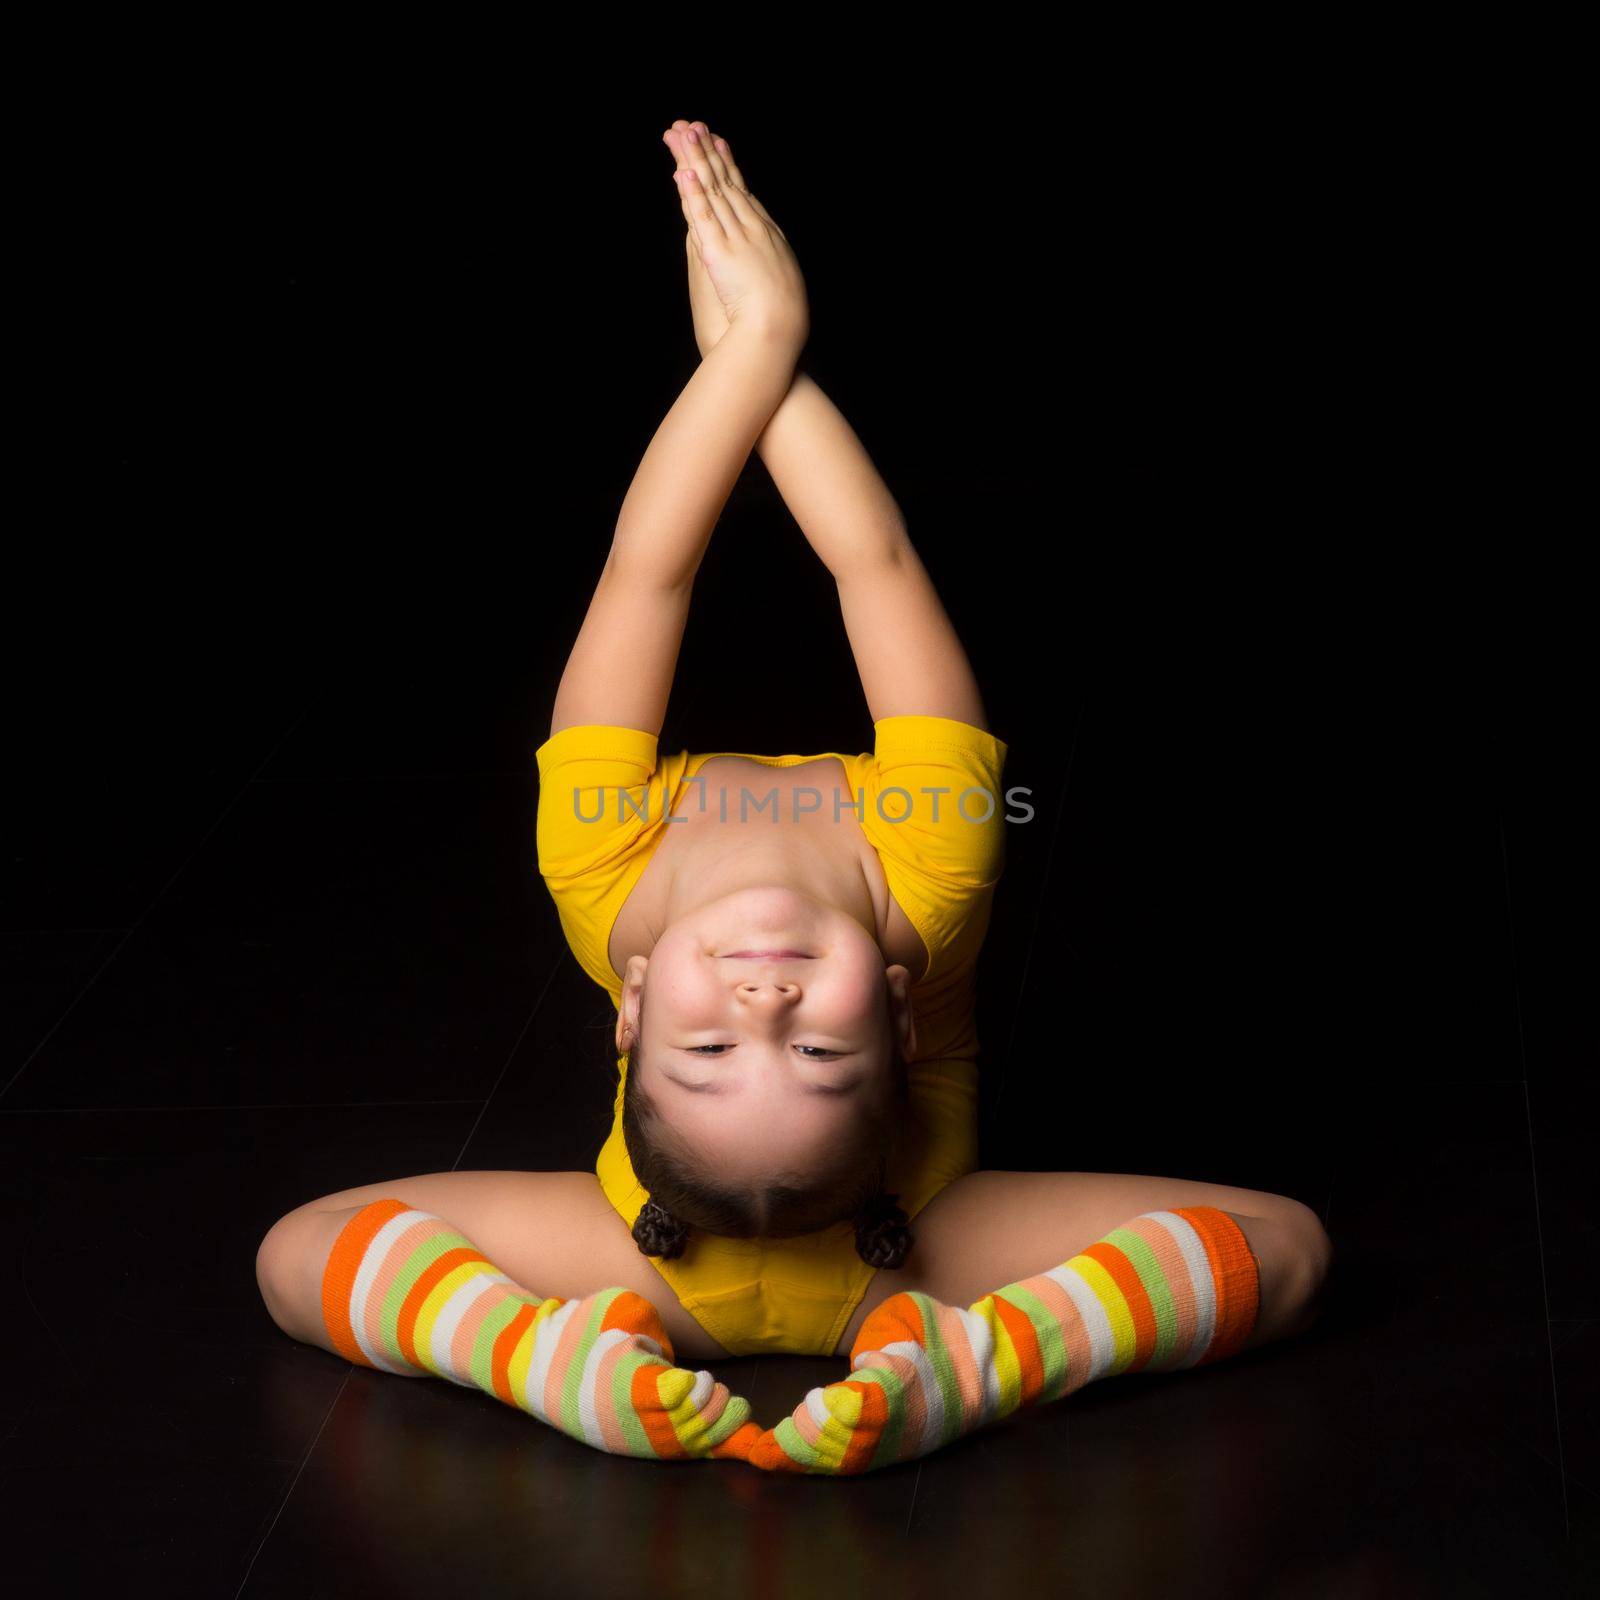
(495, 1306)
(1144, 1262)
(420, 1259)
(788, 1436)
(480, 1366)
(953, 1423)
(622, 1400)
(894, 1427)
(734, 1415)
(1049, 1332)
(572, 1378)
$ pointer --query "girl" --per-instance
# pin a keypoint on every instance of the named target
(790, 944)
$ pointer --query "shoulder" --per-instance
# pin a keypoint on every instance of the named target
(936, 813)
(910, 735)
(598, 745)
(602, 792)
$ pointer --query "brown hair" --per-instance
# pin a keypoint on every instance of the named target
(684, 1195)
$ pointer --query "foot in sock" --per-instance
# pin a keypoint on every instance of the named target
(403, 1291)
(1169, 1289)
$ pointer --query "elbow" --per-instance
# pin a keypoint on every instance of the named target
(877, 552)
(632, 569)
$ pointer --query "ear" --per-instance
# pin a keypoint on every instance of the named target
(628, 1011)
(900, 1010)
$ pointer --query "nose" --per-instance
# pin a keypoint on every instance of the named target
(767, 994)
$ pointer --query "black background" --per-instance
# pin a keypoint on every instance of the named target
(1199, 428)
(347, 403)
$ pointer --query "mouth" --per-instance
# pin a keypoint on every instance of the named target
(766, 955)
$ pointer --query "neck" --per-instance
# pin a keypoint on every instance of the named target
(735, 859)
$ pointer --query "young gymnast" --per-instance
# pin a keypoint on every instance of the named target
(790, 943)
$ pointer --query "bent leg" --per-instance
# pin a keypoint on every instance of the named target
(990, 1228)
(403, 1290)
(1183, 1283)
(553, 1230)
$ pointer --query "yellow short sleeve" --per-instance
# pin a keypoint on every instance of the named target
(602, 795)
(937, 820)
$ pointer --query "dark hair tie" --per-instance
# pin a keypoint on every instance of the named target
(658, 1233)
(883, 1238)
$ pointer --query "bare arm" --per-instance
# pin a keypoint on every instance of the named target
(621, 666)
(909, 656)
(620, 669)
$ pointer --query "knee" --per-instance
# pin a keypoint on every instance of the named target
(288, 1271)
(272, 1268)
(1305, 1263)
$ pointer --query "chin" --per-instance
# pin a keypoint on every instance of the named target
(771, 911)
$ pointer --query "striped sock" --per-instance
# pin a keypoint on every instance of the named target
(1169, 1289)
(403, 1291)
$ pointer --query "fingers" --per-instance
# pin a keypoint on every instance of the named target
(719, 155)
(703, 216)
(721, 169)
(674, 141)
(724, 152)
(683, 179)
(699, 172)
(697, 189)
(695, 148)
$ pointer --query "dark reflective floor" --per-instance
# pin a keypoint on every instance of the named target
(305, 948)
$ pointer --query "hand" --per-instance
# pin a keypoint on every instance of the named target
(740, 263)
(710, 320)
(705, 309)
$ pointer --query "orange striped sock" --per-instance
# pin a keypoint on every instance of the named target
(1169, 1289)
(404, 1291)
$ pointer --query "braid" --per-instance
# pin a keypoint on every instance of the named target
(883, 1238)
(658, 1233)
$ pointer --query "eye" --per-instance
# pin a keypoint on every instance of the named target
(812, 1052)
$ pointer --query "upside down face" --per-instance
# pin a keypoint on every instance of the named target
(772, 1020)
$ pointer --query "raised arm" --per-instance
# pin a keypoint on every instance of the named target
(621, 665)
(908, 655)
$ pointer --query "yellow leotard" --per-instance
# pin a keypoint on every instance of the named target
(929, 800)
